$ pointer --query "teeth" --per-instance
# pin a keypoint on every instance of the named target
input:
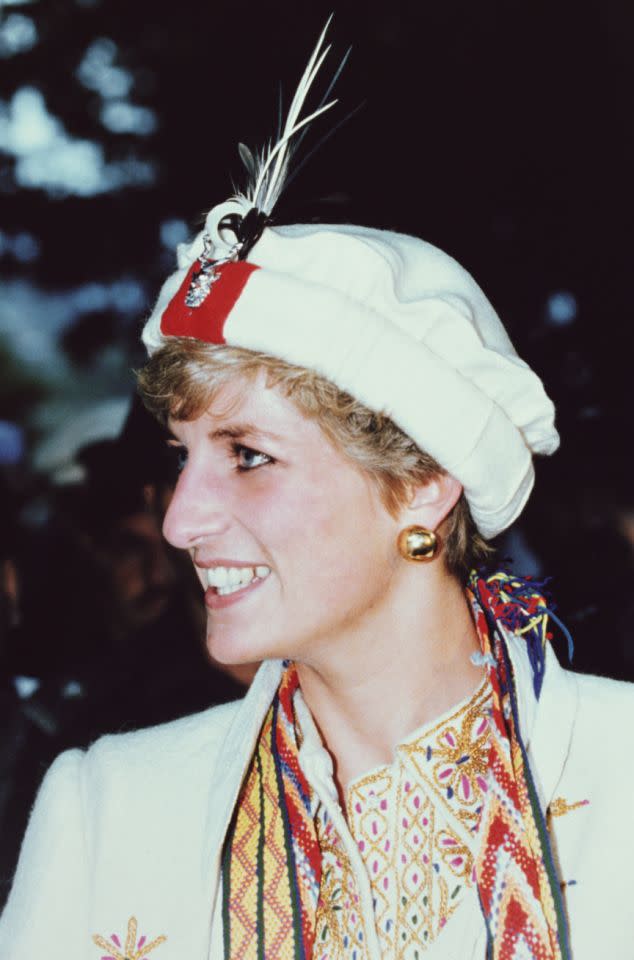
(223, 591)
(220, 577)
(229, 579)
(217, 577)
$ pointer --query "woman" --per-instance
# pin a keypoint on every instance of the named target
(411, 774)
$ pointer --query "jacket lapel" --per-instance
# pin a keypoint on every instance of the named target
(231, 766)
(546, 724)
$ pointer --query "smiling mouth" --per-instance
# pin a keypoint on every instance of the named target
(226, 580)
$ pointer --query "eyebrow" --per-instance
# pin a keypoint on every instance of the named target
(243, 431)
(236, 431)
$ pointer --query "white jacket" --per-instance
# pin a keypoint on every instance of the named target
(135, 826)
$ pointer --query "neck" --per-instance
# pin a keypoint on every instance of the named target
(372, 688)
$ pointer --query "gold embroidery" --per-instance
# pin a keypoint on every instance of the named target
(459, 746)
(415, 824)
(133, 950)
(339, 922)
(559, 806)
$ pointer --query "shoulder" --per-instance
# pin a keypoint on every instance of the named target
(162, 748)
(126, 785)
(178, 743)
(179, 748)
(157, 791)
(601, 695)
(150, 752)
(603, 722)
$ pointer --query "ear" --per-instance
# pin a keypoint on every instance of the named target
(432, 502)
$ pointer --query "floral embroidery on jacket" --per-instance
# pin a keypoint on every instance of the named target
(133, 949)
(560, 806)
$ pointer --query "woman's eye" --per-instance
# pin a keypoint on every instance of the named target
(178, 456)
(248, 459)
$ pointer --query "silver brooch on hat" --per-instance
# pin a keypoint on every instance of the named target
(203, 279)
(247, 230)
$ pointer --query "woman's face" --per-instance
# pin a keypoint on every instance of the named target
(291, 543)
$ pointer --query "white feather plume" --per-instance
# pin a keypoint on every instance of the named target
(268, 177)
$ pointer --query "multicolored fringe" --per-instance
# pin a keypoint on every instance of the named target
(517, 882)
(272, 862)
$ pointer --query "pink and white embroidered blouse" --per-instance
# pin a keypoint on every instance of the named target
(408, 839)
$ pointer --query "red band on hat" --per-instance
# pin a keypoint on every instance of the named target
(207, 321)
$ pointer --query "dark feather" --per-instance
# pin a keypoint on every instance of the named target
(247, 159)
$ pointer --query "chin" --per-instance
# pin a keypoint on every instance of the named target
(230, 650)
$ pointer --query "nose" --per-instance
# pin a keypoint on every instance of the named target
(196, 511)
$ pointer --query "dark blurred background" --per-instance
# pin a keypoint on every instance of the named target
(499, 131)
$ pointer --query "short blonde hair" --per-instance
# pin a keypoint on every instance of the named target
(183, 377)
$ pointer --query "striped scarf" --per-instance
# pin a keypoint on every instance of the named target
(271, 870)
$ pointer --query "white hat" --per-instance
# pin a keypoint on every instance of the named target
(386, 317)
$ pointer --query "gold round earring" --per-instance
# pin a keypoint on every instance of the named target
(417, 544)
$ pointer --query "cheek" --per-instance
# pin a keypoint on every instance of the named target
(276, 509)
(327, 530)
(339, 538)
(199, 573)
